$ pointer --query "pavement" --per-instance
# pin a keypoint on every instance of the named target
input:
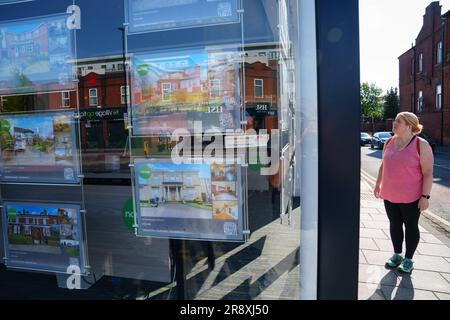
(430, 280)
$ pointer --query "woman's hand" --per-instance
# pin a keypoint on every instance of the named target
(423, 204)
(376, 191)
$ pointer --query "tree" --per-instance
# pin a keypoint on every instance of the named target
(391, 104)
(371, 102)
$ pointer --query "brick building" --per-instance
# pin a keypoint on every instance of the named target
(424, 74)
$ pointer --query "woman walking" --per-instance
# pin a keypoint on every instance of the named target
(404, 183)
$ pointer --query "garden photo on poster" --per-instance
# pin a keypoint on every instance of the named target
(43, 236)
(38, 148)
(173, 89)
(192, 201)
(36, 55)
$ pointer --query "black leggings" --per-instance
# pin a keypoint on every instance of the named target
(408, 214)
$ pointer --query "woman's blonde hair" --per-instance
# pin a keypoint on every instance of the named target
(411, 120)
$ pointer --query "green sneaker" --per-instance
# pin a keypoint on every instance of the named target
(394, 261)
(406, 266)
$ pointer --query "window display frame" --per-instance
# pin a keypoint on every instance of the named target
(71, 83)
(41, 267)
(235, 110)
(241, 223)
(177, 26)
(76, 163)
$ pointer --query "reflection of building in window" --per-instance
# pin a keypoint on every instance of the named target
(93, 98)
(65, 99)
(259, 88)
(124, 94)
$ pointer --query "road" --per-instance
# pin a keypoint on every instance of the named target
(439, 209)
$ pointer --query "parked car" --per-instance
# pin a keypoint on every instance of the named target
(153, 202)
(365, 138)
(429, 140)
(379, 138)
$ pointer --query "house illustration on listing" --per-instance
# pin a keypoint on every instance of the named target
(177, 186)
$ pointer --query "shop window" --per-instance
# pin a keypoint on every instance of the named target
(259, 90)
(65, 99)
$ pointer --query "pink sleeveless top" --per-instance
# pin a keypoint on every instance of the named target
(402, 176)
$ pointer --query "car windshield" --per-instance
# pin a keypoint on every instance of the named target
(364, 134)
(384, 135)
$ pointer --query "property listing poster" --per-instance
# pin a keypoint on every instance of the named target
(178, 89)
(38, 148)
(36, 55)
(45, 237)
(159, 15)
(188, 201)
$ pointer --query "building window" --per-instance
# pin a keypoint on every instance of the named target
(65, 99)
(166, 91)
(259, 88)
(93, 98)
(439, 52)
(420, 62)
(420, 102)
(124, 94)
(439, 97)
(214, 90)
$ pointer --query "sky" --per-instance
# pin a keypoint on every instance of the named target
(388, 28)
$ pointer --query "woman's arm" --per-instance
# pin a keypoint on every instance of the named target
(376, 191)
(426, 164)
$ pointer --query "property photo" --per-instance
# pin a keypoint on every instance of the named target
(174, 191)
(36, 140)
(225, 210)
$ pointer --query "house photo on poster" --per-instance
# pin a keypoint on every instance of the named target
(45, 237)
(36, 55)
(188, 201)
(159, 15)
(173, 89)
(38, 148)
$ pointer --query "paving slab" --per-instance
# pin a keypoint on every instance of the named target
(378, 275)
(442, 296)
(431, 249)
(368, 293)
(376, 224)
(384, 245)
(396, 293)
(429, 238)
(367, 243)
(425, 280)
(431, 263)
(365, 217)
(372, 233)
